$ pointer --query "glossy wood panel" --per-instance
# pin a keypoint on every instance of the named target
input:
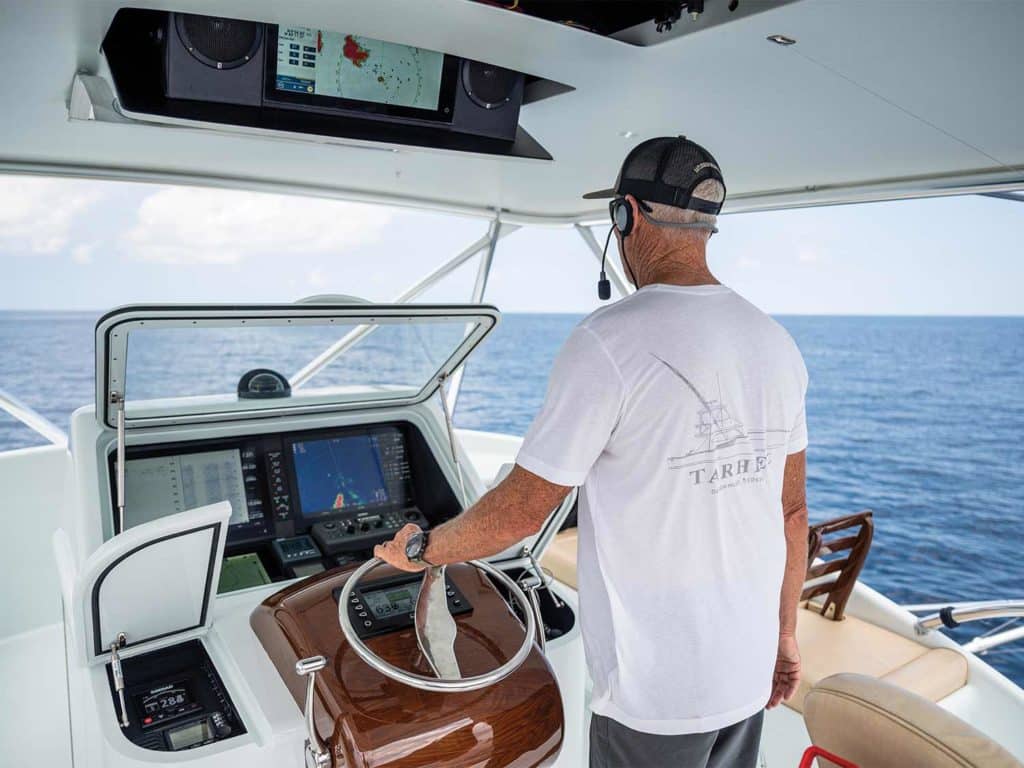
(373, 722)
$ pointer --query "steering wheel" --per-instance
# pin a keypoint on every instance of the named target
(435, 633)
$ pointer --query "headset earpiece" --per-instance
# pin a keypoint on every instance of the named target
(622, 215)
(622, 222)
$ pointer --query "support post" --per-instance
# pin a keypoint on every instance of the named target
(350, 339)
(483, 272)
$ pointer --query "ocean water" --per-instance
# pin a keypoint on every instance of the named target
(918, 419)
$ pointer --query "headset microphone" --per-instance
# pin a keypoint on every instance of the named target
(604, 288)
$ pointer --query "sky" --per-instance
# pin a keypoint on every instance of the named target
(91, 245)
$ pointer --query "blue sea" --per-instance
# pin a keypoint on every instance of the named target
(918, 419)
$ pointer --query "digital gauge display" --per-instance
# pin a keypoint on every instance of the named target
(393, 601)
(166, 702)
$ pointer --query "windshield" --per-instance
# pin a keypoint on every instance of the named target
(187, 361)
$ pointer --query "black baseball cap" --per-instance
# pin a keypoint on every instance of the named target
(666, 170)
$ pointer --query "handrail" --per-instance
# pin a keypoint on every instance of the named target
(32, 419)
(985, 643)
(954, 615)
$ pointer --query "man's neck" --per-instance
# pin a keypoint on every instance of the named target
(690, 270)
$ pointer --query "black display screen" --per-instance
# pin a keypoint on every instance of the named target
(164, 703)
(350, 473)
(171, 698)
(350, 72)
(190, 735)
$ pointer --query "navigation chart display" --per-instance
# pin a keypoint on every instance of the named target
(350, 473)
(167, 485)
(345, 66)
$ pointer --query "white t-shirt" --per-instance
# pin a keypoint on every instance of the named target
(675, 409)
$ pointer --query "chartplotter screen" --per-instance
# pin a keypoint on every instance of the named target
(346, 66)
(350, 473)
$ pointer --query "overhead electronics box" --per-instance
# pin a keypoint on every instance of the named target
(305, 80)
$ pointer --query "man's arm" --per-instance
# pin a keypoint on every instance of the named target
(514, 509)
(794, 510)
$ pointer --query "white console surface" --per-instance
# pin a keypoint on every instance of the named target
(274, 722)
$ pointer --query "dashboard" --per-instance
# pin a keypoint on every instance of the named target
(302, 502)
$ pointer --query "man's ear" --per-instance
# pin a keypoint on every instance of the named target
(638, 219)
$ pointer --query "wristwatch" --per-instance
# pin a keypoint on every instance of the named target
(415, 547)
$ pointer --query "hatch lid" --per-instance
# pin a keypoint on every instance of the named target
(155, 581)
(175, 364)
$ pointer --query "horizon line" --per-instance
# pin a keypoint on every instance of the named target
(47, 310)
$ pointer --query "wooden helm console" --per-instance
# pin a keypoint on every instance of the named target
(370, 721)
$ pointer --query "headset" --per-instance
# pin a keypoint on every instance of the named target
(621, 213)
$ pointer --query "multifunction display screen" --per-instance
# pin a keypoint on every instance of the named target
(350, 473)
(166, 485)
(336, 65)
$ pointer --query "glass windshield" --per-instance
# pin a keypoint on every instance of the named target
(324, 359)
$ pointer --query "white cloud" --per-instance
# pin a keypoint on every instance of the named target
(178, 225)
(82, 254)
(745, 262)
(808, 255)
(36, 215)
(316, 278)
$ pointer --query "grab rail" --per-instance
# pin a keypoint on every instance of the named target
(953, 616)
(32, 419)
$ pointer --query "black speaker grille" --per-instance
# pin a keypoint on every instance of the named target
(217, 42)
(487, 85)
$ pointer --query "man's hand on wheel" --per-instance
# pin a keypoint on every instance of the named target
(786, 678)
(393, 552)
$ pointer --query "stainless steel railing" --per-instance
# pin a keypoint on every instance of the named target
(954, 615)
(32, 419)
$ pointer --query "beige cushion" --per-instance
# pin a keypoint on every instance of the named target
(560, 557)
(828, 647)
(934, 675)
(876, 724)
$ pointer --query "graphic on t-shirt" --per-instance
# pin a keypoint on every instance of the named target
(724, 453)
(715, 427)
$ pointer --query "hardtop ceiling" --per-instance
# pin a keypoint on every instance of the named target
(875, 100)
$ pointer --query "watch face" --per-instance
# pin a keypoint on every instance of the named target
(414, 546)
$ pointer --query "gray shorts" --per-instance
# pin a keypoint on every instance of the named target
(613, 745)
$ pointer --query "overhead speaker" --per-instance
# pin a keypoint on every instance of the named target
(488, 101)
(214, 59)
(219, 43)
(489, 86)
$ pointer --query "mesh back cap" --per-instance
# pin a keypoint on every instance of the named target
(666, 170)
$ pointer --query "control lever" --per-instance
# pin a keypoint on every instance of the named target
(317, 755)
(530, 583)
(115, 668)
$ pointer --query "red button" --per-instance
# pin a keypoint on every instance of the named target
(147, 721)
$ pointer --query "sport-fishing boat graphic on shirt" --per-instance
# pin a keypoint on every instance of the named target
(723, 449)
(715, 427)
